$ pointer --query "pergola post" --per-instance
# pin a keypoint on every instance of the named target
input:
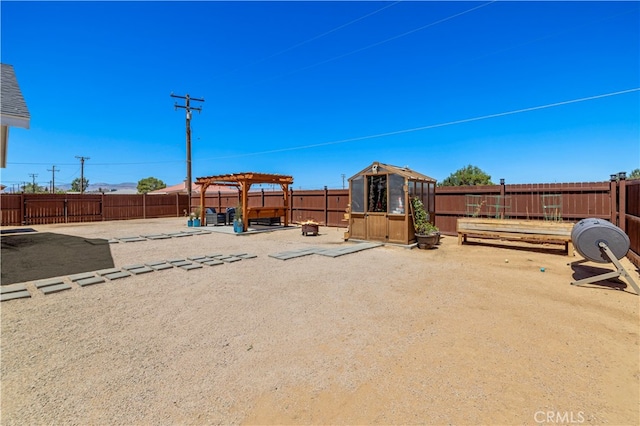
(285, 191)
(245, 200)
(203, 190)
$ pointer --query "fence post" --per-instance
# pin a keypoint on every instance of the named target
(326, 206)
(261, 197)
(144, 205)
(23, 210)
(622, 203)
(291, 205)
(613, 195)
(502, 199)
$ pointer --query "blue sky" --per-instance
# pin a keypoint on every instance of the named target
(318, 90)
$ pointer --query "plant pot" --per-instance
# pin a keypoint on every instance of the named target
(189, 222)
(427, 241)
(238, 226)
(196, 222)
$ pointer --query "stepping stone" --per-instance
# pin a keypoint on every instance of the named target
(108, 271)
(247, 256)
(213, 262)
(82, 276)
(197, 258)
(12, 288)
(156, 263)
(55, 288)
(142, 270)
(156, 237)
(191, 231)
(132, 239)
(181, 263)
(230, 259)
(191, 266)
(116, 275)
(175, 260)
(14, 295)
(130, 267)
(213, 256)
(238, 254)
(113, 241)
(15, 291)
(52, 281)
(162, 266)
(89, 281)
(180, 234)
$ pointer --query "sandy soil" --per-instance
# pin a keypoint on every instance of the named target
(471, 334)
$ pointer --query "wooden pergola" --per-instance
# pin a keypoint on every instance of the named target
(243, 182)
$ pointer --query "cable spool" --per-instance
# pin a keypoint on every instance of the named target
(600, 241)
(589, 233)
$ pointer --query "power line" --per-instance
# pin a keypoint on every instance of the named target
(433, 126)
(371, 45)
(295, 46)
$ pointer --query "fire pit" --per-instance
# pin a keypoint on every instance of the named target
(309, 228)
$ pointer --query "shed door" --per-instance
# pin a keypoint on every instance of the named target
(377, 226)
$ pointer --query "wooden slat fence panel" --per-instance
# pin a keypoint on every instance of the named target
(632, 219)
(11, 209)
(122, 207)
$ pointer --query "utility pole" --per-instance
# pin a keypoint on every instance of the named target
(188, 109)
(33, 176)
(342, 180)
(53, 178)
(82, 172)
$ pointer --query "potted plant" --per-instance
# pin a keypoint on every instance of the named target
(195, 217)
(427, 234)
(238, 224)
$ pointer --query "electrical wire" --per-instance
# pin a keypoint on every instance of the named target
(335, 58)
(431, 126)
(302, 43)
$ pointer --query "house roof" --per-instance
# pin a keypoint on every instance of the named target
(13, 108)
(377, 167)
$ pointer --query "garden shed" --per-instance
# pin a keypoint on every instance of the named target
(379, 199)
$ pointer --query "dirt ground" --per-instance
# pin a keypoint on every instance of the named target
(471, 334)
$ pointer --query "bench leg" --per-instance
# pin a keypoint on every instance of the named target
(569, 247)
(461, 237)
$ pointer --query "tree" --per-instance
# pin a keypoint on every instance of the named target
(635, 174)
(150, 184)
(469, 175)
(76, 186)
(33, 188)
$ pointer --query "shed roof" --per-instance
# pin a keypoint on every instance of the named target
(13, 108)
(388, 168)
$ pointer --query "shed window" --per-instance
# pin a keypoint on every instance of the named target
(377, 193)
(396, 194)
(357, 194)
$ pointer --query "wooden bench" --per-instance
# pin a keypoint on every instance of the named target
(266, 215)
(517, 230)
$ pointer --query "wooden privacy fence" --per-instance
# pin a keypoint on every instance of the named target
(617, 201)
(40, 209)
